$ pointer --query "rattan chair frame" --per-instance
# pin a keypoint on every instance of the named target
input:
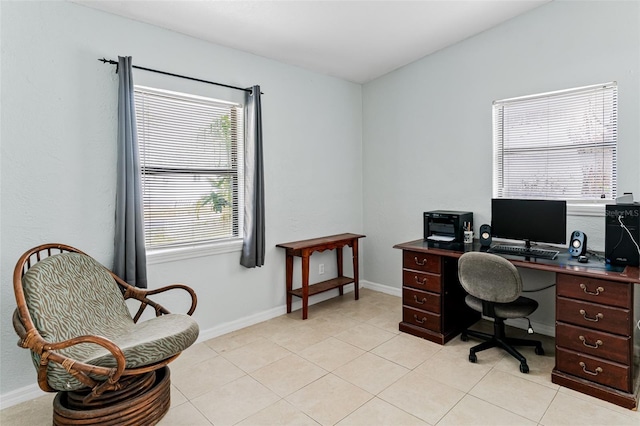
(30, 338)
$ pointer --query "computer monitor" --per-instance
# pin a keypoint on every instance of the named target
(542, 221)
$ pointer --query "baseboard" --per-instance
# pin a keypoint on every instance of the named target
(539, 328)
(393, 291)
(33, 391)
(18, 396)
(228, 327)
(281, 310)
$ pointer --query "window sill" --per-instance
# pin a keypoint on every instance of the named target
(172, 254)
(586, 209)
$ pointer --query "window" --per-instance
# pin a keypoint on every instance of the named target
(191, 154)
(559, 145)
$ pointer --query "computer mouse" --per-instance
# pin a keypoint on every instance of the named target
(583, 259)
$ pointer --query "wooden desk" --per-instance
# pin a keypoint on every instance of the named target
(304, 249)
(595, 321)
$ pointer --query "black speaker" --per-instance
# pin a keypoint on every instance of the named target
(485, 235)
(622, 234)
(578, 244)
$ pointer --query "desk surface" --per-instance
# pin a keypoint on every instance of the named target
(563, 263)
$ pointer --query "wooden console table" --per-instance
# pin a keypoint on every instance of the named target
(304, 249)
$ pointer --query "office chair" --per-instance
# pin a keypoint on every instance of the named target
(494, 288)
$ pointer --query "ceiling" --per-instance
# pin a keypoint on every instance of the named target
(356, 41)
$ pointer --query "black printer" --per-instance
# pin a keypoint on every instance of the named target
(445, 228)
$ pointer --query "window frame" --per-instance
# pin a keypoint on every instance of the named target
(584, 206)
(236, 173)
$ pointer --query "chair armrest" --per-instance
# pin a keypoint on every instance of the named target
(115, 350)
(194, 298)
(141, 294)
(33, 341)
(18, 326)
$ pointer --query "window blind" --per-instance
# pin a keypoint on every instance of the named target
(191, 154)
(559, 145)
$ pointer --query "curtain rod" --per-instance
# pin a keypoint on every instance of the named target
(112, 62)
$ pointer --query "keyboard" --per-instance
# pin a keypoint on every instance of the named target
(524, 251)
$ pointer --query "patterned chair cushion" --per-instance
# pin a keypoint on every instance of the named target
(70, 295)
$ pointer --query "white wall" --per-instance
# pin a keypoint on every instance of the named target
(58, 154)
(427, 127)
(426, 130)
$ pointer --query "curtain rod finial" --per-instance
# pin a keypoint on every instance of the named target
(107, 61)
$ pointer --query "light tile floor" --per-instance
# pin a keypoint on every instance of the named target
(349, 365)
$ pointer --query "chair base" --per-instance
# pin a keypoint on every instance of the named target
(498, 339)
(144, 401)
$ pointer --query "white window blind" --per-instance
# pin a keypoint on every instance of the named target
(559, 145)
(191, 153)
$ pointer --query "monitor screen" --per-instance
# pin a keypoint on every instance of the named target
(542, 221)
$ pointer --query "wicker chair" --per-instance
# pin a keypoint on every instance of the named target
(107, 367)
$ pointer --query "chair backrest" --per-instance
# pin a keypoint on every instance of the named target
(489, 277)
(70, 295)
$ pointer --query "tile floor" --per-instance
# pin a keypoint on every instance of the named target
(349, 365)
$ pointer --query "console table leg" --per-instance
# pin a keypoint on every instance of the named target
(305, 285)
(289, 269)
(340, 268)
(354, 248)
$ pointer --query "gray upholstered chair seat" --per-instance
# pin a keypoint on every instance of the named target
(72, 295)
(143, 344)
(519, 308)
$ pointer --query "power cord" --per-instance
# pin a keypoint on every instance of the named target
(529, 329)
(539, 289)
(595, 254)
(630, 234)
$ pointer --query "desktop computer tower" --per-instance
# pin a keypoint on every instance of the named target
(621, 245)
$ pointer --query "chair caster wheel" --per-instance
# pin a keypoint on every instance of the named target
(524, 368)
(539, 350)
(464, 337)
(473, 358)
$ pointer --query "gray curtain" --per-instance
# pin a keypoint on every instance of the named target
(130, 260)
(253, 244)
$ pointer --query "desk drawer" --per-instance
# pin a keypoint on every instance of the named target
(595, 290)
(421, 281)
(421, 300)
(421, 261)
(595, 343)
(593, 315)
(421, 318)
(594, 369)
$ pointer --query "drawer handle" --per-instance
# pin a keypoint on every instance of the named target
(420, 281)
(597, 318)
(593, 373)
(589, 345)
(422, 302)
(422, 321)
(597, 292)
(424, 261)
